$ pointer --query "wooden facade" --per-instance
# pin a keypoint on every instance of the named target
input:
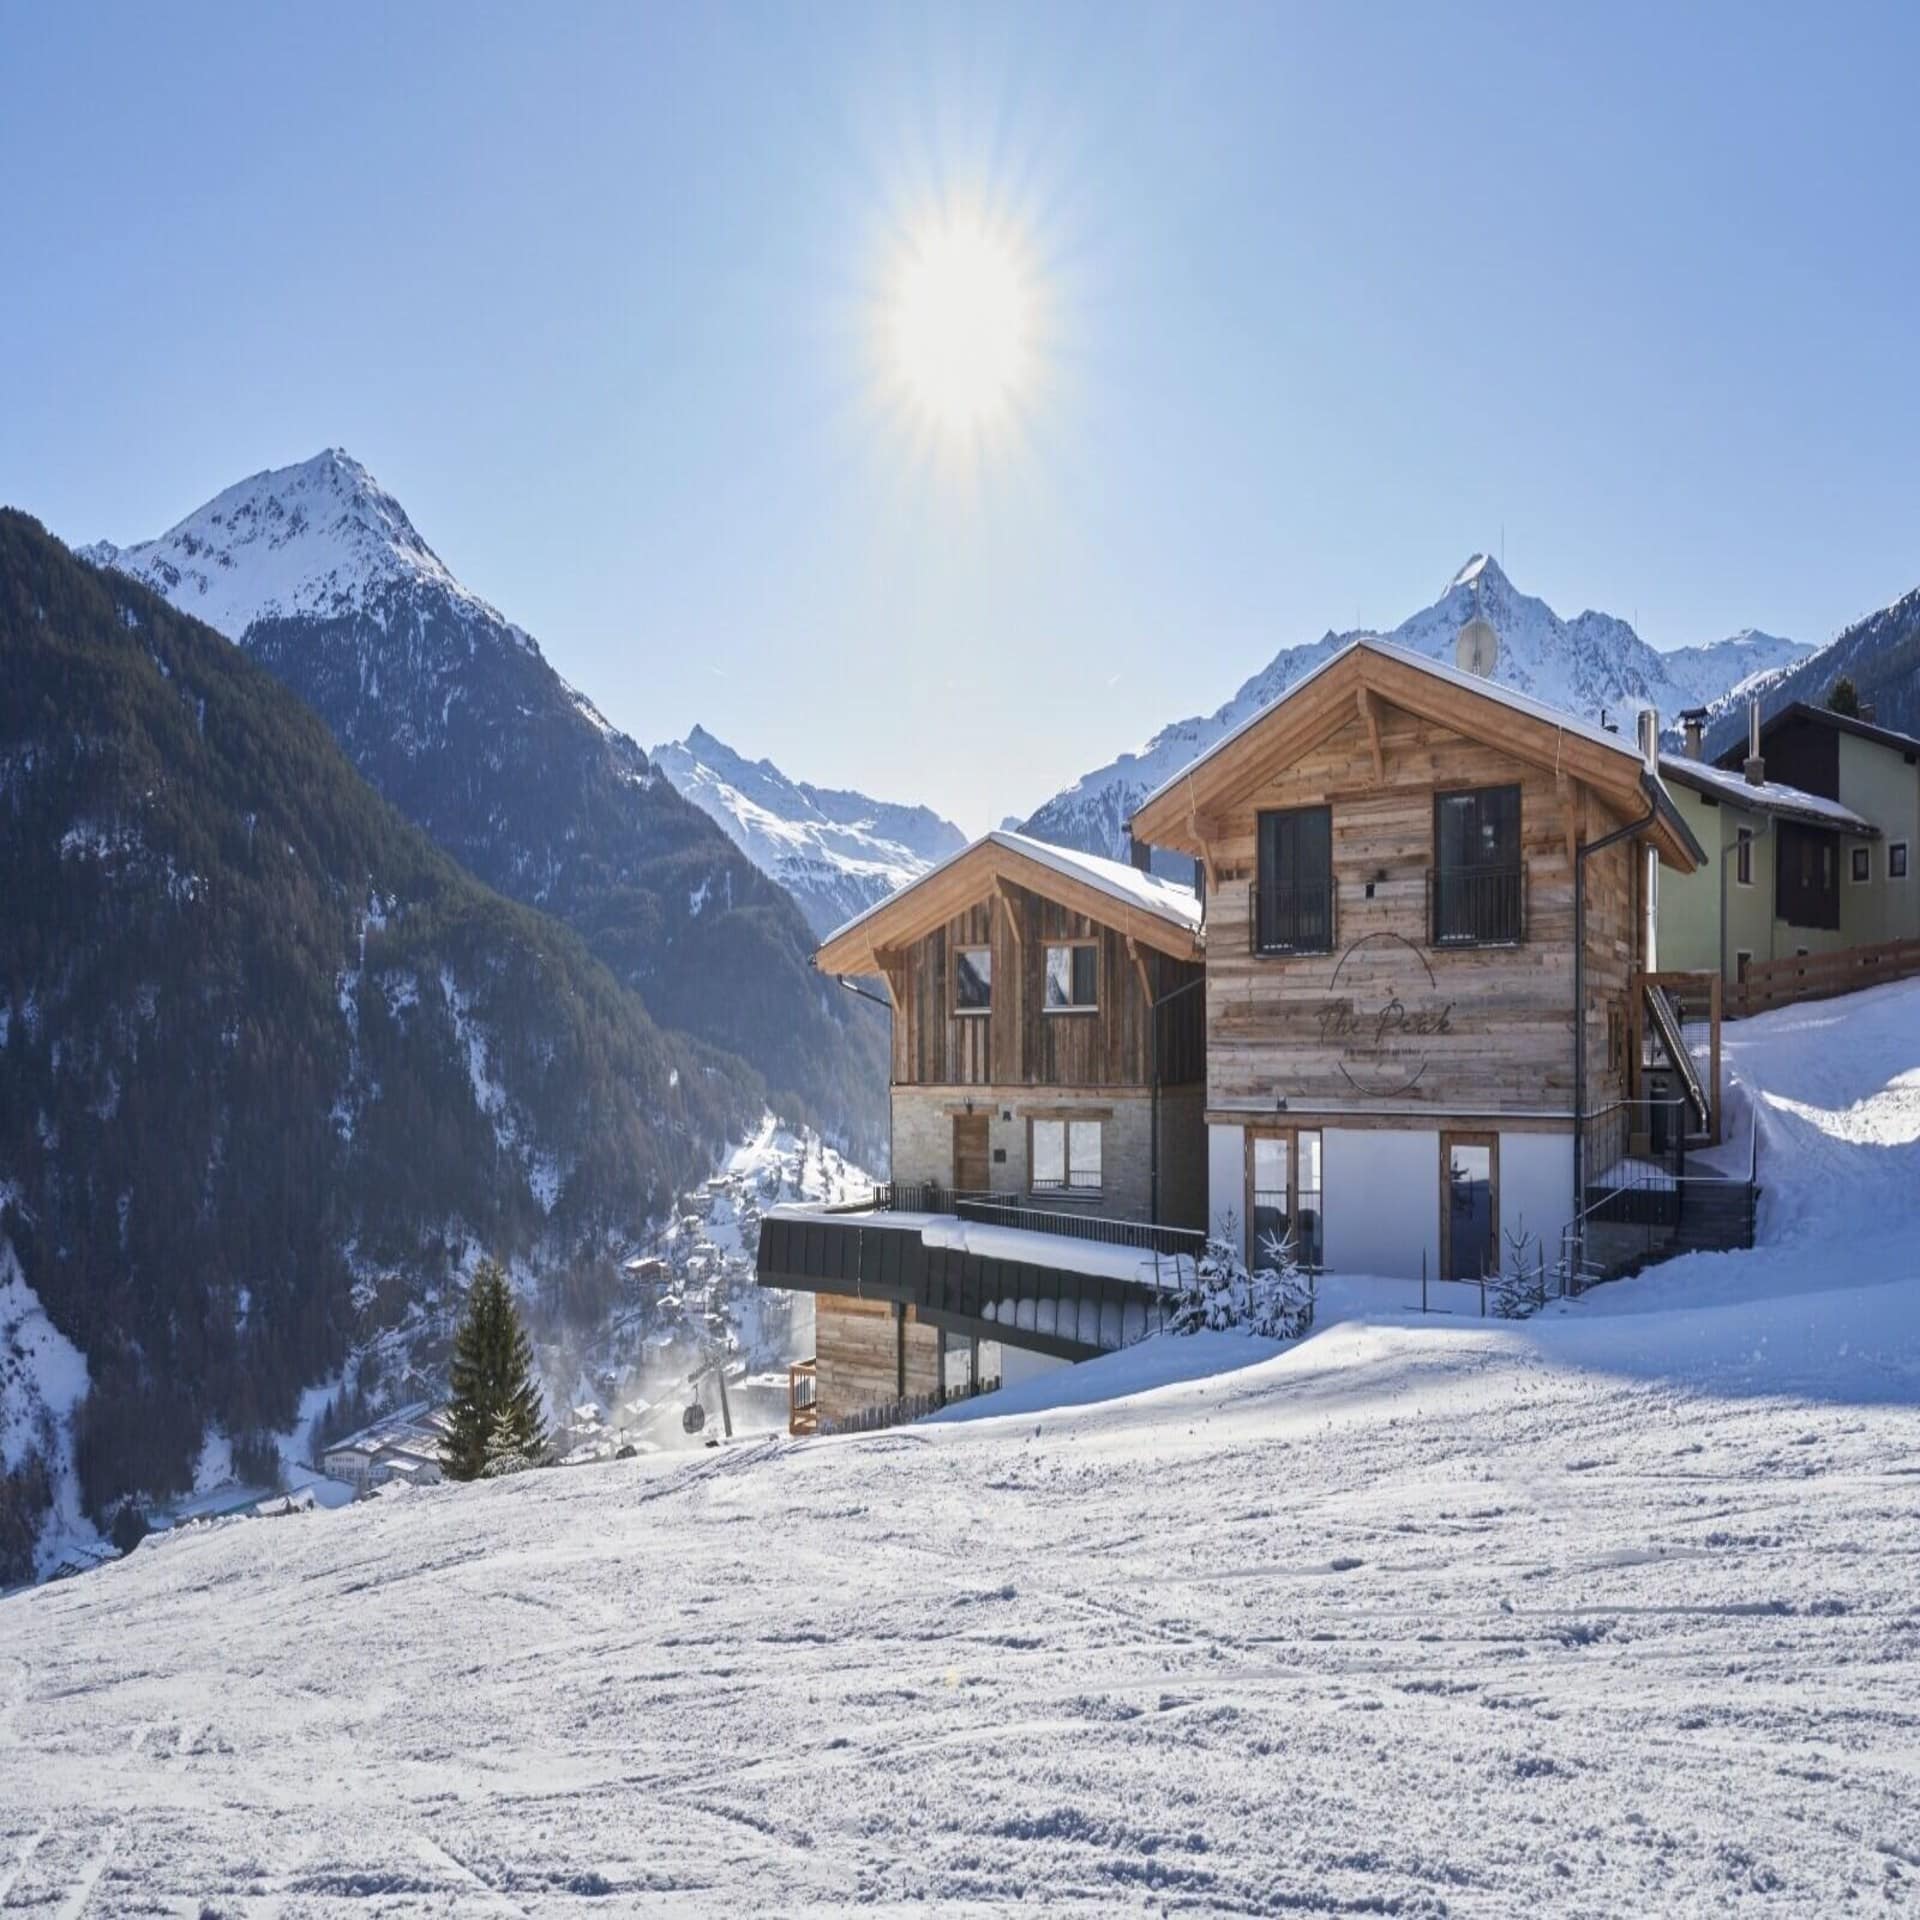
(1386, 1018)
(869, 1352)
(1017, 1042)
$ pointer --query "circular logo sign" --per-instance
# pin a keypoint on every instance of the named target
(1381, 1015)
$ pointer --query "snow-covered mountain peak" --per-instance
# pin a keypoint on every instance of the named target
(1481, 564)
(836, 851)
(1590, 664)
(319, 538)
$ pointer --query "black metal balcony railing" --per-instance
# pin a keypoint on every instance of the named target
(1477, 906)
(1011, 1210)
(1292, 919)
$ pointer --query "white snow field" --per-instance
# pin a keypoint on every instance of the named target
(1613, 1612)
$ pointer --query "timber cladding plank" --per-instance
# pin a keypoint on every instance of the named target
(1387, 1016)
(860, 1349)
(1019, 1042)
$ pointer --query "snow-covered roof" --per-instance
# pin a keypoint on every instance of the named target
(1168, 900)
(1770, 796)
(1589, 730)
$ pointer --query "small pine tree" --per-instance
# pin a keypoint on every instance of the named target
(1844, 697)
(1520, 1288)
(496, 1412)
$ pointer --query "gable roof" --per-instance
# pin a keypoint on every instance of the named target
(1771, 796)
(1800, 710)
(1159, 913)
(1175, 813)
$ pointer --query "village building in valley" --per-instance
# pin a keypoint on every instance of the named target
(1428, 899)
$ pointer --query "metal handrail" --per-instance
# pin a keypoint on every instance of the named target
(1497, 913)
(1146, 1236)
(1315, 906)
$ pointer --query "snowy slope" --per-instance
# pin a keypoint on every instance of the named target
(1880, 654)
(836, 852)
(43, 1381)
(1608, 1612)
(1585, 665)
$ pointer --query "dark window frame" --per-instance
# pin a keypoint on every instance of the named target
(1494, 912)
(1898, 847)
(1076, 948)
(1743, 856)
(1860, 865)
(1296, 918)
(961, 1011)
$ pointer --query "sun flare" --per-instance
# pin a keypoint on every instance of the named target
(960, 325)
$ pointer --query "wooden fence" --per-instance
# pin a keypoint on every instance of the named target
(1818, 976)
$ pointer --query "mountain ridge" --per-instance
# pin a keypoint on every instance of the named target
(1589, 664)
(837, 851)
(454, 713)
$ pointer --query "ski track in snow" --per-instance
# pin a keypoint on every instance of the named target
(1612, 1612)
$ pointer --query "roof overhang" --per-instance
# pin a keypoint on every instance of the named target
(1186, 814)
(974, 875)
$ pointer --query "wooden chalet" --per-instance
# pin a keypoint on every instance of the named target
(1429, 913)
(1048, 1077)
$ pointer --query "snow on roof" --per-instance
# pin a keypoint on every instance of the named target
(1489, 689)
(1167, 899)
(1770, 796)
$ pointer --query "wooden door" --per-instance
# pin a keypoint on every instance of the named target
(970, 1152)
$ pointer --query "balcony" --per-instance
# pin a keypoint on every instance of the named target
(1477, 906)
(1288, 920)
(1070, 1285)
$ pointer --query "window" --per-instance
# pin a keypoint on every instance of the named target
(1469, 1205)
(1743, 857)
(1897, 860)
(1064, 1156)
(1293, 888)
(1283, 1196)
(1742, 960)
(1862, 864)
(1073, 978)
(973, 980)
(1478, 888)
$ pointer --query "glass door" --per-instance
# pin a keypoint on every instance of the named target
(1283, 1196)
(1469, 1206)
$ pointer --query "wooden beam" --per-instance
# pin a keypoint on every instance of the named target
(1139, 960)
(1004, 894)
(1370, 717)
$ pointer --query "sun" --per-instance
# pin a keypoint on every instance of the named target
(960, 324)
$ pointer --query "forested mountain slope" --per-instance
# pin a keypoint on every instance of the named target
(453, 713)
(262, 1044)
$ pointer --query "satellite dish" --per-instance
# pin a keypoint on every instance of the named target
(1476, 647)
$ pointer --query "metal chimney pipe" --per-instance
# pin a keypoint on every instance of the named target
(1756, 768)
(1650, 738)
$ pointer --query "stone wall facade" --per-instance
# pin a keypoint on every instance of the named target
(923, 1145)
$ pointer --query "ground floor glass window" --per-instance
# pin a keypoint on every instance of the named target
(1283, 1195)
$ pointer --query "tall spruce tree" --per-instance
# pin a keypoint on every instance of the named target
(1844, 697)
(496, 1412)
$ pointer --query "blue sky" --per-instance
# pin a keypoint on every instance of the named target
(1331, 296)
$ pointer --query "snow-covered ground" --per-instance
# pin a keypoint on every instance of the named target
(1614, 1611)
